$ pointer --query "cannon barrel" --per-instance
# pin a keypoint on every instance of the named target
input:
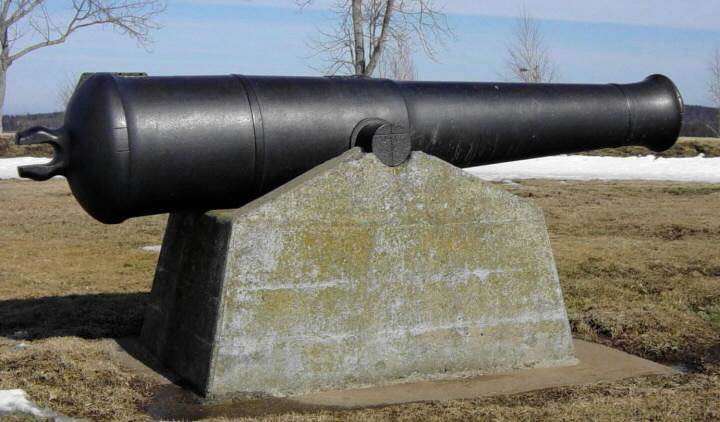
(147, 145)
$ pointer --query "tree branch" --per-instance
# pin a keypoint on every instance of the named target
(399, 26)
(528, 59)
(5, 10)
(132, 17)
(380, 44)
(24, 8)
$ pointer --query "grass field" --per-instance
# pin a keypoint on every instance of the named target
(685, 147)
(639, 265)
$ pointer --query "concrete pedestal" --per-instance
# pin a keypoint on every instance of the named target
(358, 274)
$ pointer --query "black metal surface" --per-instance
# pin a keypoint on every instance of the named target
(139, 146)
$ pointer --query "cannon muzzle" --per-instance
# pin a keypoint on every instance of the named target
(149, 145)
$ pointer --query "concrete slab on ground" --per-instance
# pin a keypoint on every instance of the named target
(597, 364)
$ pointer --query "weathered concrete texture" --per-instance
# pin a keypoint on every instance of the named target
(358, 274)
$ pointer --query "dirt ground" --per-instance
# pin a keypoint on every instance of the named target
(639, 265)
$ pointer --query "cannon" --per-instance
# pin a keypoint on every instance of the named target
(147, 145)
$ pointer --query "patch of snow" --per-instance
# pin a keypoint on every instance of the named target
(560, 167)
(152, 248)
(580, 167)
(8, 166)
(17, 401)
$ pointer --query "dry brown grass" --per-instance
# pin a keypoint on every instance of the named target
(55, 249)
(74, 377)
(639, 266)
(9, 149)
(685, 147)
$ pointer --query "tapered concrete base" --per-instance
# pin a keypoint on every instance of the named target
(357, 274)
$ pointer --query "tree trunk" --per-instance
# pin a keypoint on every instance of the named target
(359, 37)
(380, 44)
(3, 85)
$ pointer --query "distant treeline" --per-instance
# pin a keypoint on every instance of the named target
(698, 121)
(24, 121)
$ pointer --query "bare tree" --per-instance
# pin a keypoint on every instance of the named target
(369, 33)
(528, 59)
(29, 25)
(714, 67)
(67, 89)
(397, 62)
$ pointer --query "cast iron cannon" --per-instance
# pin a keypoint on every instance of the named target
(147, 145)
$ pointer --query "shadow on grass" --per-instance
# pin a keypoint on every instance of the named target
(94, 316)
(120, 317)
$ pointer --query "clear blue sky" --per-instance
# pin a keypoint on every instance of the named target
(611, 41)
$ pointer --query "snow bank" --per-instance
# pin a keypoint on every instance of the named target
(17, 401)
(564, 167)
(579, 167)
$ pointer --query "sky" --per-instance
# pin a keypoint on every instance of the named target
(590, 42)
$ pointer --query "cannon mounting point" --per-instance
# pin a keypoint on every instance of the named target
(390, 143)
